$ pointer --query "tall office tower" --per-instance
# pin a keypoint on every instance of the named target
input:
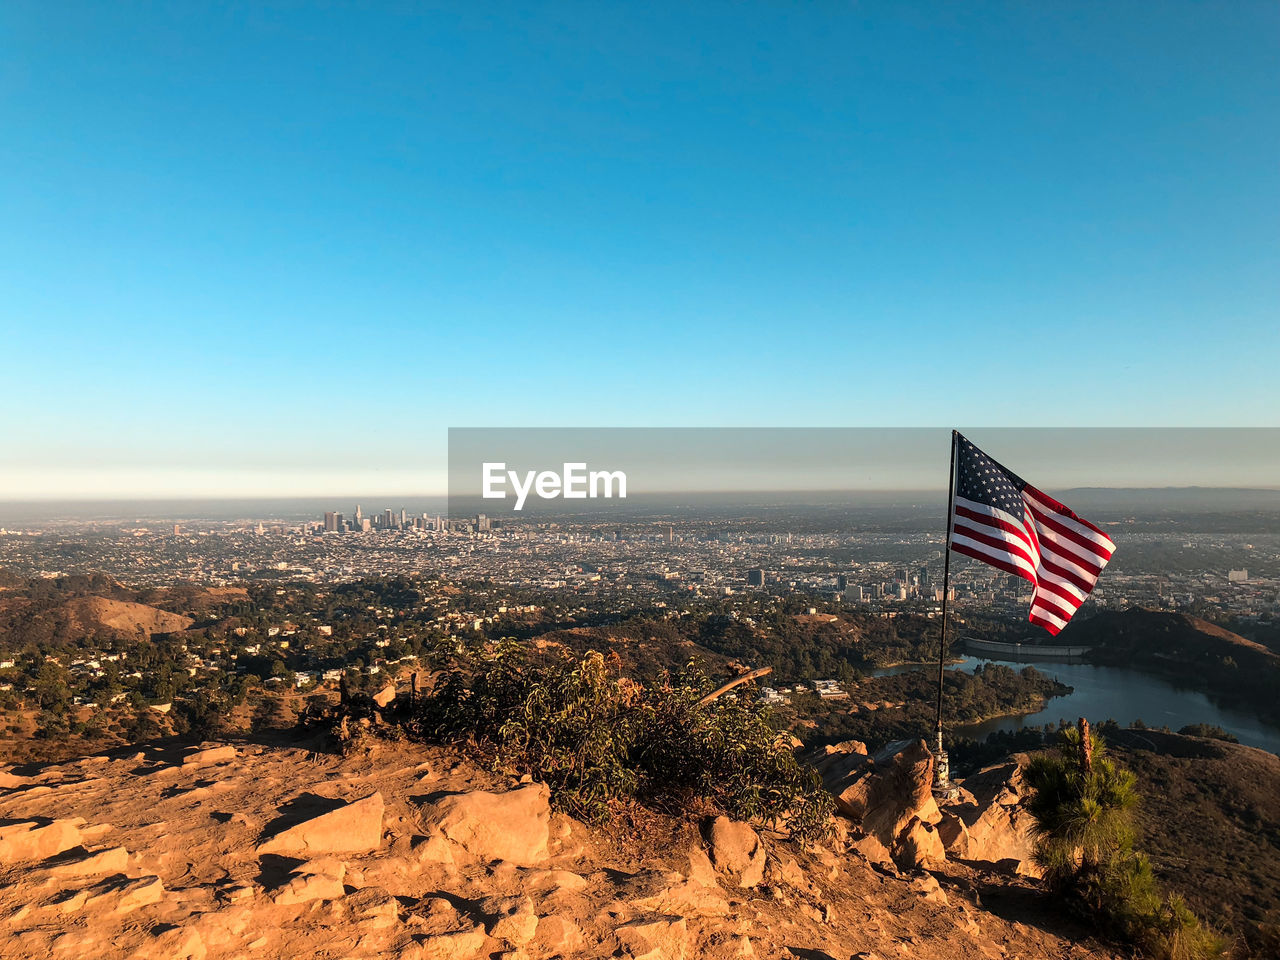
(483, 523)
(670, 536)
(340, 523)
(901, 575)
(404, 517)
(365, 525)
(388, 520)
(842, 583)
(924, 577)
(755, 578)
(359, 514)
(330, 521)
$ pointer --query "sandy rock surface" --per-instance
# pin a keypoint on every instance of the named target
(260, 849)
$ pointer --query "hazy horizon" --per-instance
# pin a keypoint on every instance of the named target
(224, 509)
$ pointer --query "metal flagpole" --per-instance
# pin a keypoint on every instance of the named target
(942, 785)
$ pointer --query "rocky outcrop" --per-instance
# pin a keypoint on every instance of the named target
(38, 840)
(989, 823)
(209, 756)
(656, 937)
(351, 828)
(512, 919)
(466, 865)
(495, 826)
(309, 886)
(736, 852)
(888, 797)
(120, 895)
(888, 801)
(88, 864)
(452, 945)
(559, 936)
(918, 845)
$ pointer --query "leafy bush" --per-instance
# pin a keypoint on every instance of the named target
(596, 737)
(1085, 839)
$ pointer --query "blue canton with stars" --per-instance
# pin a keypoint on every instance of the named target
(982, 480)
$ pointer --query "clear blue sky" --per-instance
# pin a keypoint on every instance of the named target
(268, 248)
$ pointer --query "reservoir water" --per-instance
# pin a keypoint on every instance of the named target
(1114, 693)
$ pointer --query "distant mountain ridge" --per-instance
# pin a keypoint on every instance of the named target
(1172, 498)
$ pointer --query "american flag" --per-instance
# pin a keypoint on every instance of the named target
(1000, 519)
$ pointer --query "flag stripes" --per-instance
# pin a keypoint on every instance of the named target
(1001, 520)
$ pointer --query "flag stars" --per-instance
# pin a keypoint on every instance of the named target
(984, 481)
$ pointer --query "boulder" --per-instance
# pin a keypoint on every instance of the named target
(928, 887)
(34, 840)
(355, 827)
(919, 845)
(111, 860)
(124, 895)
(174, 943)
(386, 695)
(885, 795)
(954, 834)
(736, 851)
(996, 825)
(456, 945)
(896, 786)
(785, 870)
(655, 938)
(700, 868)
(209, 755)
(305, 887)
(373, 908)
(513, 919)
(138, 892)
(329, 866)
(870, 848)
(432, 849)
(559, 936)
(839, 762)
(558, 883)
(672, 893)
(510, 826)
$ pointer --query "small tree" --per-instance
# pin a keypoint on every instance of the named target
(1083, 816)
(1083, 806)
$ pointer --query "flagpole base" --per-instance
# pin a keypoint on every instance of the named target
(944, 788)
